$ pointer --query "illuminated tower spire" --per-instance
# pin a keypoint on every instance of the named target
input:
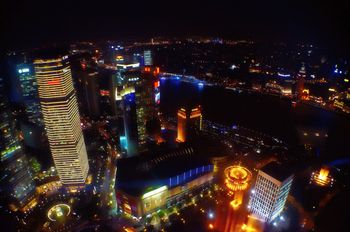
(61, 117)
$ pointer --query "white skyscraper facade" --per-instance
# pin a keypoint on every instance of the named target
(270, 193)
(62, 121)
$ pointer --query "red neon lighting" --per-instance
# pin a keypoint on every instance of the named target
(104, 92)
(54, 82)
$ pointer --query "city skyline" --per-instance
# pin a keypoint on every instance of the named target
(191, 116)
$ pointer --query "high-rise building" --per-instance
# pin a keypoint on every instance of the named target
(29, 93)
(300, 81)
(139, 107)
(91, 93)
(270, 191)
(16, 182)
(188, 121)
(181, 125)
(145, 102)
(62, 121)
(130, 122)
(147, 56)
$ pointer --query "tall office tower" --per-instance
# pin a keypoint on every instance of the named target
(29, 93)
(16, 183)
(270, 192)
(147, 56)
(138, 101)
(181, 125)
(188, 121)
(91, 93)
(139, 107)
(301, 76)
(130, 122)
(61, 116)
(146, 106)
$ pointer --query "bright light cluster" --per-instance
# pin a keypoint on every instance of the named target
(58, 211)
(237, 178)
(322, 178)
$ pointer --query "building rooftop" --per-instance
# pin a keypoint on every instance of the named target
(138, 173)
(278, 171)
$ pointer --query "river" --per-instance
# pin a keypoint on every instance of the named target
(326, 131)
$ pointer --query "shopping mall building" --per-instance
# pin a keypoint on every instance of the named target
(149, 182)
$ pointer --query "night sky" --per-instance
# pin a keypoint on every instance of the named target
(26, 23)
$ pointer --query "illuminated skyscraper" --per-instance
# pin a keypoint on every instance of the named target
(29, 93)
(270, 192)
(301, 76)
(188, 121)
(147, 56)
(16, 183)
(181, 125)
(61, 117)
(139, 107)
(130, 122)
(146, 107)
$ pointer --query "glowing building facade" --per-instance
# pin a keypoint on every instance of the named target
(145, 103)
(29, 92)
(188, 120)
(270, 192)
(16, 182)
(181, 125)
(62, 121)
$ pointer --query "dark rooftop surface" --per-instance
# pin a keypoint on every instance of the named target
(277, 171)
(135, 174)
